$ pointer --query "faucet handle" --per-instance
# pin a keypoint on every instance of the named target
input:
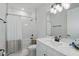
(59, 36)
(68, 35)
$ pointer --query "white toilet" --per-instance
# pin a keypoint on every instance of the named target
(32, 50)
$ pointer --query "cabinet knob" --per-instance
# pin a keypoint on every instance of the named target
(44, 54)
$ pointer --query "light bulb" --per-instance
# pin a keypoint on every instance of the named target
(51, 10)
(55, 11)
(66, 5)
(59, 8)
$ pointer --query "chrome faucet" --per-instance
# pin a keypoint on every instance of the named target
(57, 38)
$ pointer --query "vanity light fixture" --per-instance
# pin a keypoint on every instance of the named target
(58, 7)
(66, 5)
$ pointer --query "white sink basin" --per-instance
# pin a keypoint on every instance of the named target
(54, 43)
(51, 41)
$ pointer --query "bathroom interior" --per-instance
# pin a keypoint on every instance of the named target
(39, 29)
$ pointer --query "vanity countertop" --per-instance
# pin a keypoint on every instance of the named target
(64, 48)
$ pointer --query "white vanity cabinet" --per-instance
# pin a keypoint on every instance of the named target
(44, 50)
(41, 49)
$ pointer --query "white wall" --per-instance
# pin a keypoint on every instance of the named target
(73, 22)
(41, 21)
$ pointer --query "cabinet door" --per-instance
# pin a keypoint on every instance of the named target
(53, 52)
(41, 49)
(44, 50)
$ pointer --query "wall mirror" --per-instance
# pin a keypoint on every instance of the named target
(65, 23)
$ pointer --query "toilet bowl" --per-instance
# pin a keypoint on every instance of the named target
(32, 50)
(23, 52)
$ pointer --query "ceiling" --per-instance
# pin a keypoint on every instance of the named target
(34, 5)
(24, 5)
(30, 7)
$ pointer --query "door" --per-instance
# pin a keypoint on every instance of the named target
(28, 28)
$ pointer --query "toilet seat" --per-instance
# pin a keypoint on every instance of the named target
(25, 52)
(32, 49)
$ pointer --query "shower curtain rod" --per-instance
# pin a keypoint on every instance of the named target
(19, 15)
